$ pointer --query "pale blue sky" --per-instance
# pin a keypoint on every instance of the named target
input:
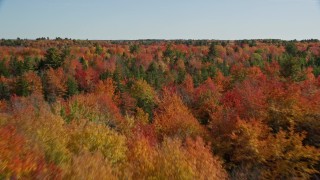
(160, 19)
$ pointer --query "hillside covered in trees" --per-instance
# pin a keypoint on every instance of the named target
(156, 109)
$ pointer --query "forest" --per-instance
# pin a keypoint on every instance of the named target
(159, 109)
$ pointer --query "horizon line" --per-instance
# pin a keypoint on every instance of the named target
(154, 39)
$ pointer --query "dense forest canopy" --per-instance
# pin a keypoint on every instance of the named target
(158, 109)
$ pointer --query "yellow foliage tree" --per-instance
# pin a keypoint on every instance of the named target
(174, 160)
(88, 165)
(86, 135)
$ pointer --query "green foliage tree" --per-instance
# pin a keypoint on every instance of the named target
(72, 87)
(22, 87)
(16, 67)
(145, 96)
(212, 51)
(4, 91)
(134, 48)
(291, 68)
(4, 71)
(53, 59)
(291, 48)
(99, 49)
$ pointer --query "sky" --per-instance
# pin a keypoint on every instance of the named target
(160, 19)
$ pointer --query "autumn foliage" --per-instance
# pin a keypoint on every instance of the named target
(153, 109)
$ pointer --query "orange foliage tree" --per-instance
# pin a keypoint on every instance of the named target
(173, 118)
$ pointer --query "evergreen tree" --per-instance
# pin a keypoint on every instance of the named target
(53, 59)
(134, 49)
(16, 67)
(22, 87)
(290, 67)
(291, 49)
(4, 91)
(212, 50)
(72, 87)
(3, 69)
(99, 49)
